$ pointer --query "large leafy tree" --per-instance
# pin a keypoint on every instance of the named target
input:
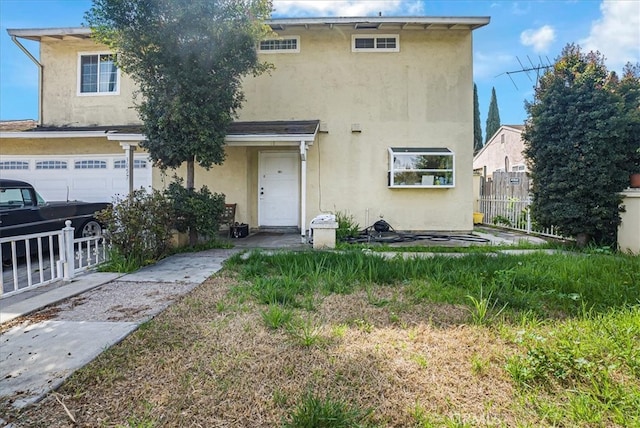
(577, 141)
(493, 117)
(477, 129)
(629, 89)
(188, 58)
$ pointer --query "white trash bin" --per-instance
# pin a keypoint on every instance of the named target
(323, 231)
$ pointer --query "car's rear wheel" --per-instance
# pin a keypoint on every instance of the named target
(90, 228)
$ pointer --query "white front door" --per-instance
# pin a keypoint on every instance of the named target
(278, 189)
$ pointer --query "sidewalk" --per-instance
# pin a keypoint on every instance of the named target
(85, 317)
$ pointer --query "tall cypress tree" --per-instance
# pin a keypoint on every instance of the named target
(493, 117)
(477, 129)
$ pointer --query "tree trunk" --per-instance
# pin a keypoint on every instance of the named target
(191, 173)
(193, 233)
(582, 239)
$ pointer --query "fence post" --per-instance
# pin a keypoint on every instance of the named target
(68, 264)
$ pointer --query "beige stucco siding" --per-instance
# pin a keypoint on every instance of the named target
(418, 97)
(62, 106)
(59, 146)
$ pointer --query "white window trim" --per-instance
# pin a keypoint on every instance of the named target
(79, 77)
(375, 37)
(281, 51)
(431, 151)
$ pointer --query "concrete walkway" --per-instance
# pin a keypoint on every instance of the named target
(97, 310)
(83, 318)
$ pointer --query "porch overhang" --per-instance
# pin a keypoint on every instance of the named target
(272, 133)
(294, 134)
(257, 133)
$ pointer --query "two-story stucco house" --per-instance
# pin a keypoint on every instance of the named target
(369, 116)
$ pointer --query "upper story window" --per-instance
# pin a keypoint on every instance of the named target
(375, 43)
(280, 45)
(97, 74)
(421, 167)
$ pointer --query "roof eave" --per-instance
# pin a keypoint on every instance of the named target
(426, 22)
(52, 134)
(36, 34)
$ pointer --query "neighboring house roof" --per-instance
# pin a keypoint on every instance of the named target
(17, 125)
(376, 23)
(503, 152)
(516, 128)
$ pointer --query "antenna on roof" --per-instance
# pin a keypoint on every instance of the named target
(534, 67)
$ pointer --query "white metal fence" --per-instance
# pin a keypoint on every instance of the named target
(48, 257)
(513, 213)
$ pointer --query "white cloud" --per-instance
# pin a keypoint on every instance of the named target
(294, 8)
(540, 39)
(518, 9)
(617, 34)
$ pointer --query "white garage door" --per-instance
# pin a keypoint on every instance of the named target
(90, 178)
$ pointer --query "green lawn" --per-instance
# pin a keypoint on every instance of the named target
(354, 339)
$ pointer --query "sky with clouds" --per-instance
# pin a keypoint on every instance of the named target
(521, 35)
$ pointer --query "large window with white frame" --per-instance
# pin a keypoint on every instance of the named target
(289, 44)
(98, 74)
(421, 167)
(375, 43)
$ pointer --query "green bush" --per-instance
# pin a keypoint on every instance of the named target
(139, 226)
(347, 227)
(198, 211)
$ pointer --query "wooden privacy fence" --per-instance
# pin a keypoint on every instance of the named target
(506, 185)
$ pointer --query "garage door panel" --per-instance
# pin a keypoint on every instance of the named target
(93, 183)
(87, 184)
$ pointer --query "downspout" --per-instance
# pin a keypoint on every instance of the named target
(303, 189)
(40, 67)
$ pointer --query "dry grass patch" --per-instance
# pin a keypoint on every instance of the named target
(210, 360)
